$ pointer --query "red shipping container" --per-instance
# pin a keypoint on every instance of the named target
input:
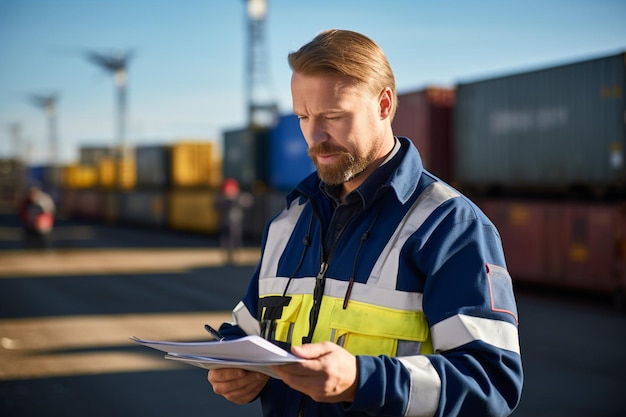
(529, 236)
(563, 244)
(425, 117)
(591, 257)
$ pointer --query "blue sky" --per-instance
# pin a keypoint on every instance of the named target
(186, 80)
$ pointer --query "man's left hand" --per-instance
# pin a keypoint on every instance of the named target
(328, 373)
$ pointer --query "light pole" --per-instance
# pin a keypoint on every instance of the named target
(48, 102)
(117, 64)
(262, 109)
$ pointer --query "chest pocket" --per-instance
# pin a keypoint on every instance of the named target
(282, 328)
(364, 329)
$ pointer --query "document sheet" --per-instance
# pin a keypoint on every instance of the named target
(250, 352)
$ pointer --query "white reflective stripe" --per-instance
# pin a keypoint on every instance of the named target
(278, 236)
(383, 297)
(245, 320)
(277, 285)
(458, 330)
(385, 271)
(425, 386)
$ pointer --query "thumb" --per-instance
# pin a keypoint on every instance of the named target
(310, 350)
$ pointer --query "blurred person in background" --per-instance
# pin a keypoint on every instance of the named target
(37, 212)
(231, 206)
(390, 284)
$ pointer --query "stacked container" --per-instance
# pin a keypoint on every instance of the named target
(425, 117)
(552, 130)
(196, 178)
(176, 186)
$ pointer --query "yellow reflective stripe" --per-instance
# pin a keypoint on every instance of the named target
(365, 293)
(385, 271)
(458, 330)
(379, 321)
(280, 231)
(425, 386)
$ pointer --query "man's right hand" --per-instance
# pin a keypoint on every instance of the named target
(237, 385)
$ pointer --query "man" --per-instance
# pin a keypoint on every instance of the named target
(231, 206)
(37, 216)
(390, 284)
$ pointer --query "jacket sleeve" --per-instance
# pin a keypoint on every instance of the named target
(468, 299)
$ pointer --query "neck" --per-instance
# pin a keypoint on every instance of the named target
(353, 184)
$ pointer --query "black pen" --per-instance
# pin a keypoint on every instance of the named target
(217, 335)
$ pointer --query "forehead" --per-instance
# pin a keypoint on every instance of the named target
(313, 93)
(327, 85)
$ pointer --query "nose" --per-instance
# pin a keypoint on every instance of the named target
(314, 131)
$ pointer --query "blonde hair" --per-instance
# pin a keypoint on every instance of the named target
(343, 52)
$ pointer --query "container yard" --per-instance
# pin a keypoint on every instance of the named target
(542, 152)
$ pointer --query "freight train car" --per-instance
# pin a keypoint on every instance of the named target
(550, 131)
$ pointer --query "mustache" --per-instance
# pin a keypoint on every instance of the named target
(326, 148)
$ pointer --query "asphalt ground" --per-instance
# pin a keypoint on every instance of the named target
(67, 313)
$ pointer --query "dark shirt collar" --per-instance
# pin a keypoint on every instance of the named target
(365, 192)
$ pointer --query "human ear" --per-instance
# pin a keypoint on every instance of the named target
(385, 103)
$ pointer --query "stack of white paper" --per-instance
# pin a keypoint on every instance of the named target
(250, 352)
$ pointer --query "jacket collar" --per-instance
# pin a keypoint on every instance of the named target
(403, 179)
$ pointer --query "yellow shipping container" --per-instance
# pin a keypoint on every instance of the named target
(80, 176)
(108, 171)
(195, 164)
(193, 210)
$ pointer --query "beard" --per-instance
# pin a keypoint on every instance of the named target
(346, 168)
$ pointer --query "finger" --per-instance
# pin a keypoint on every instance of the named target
(241, 390)
(312, 350)
(307, 368)
(225, 374)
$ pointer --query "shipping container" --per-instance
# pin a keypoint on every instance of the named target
(143, 207)
(289, 160)
(193, 210)
(36, 175)
(90, 155)
(551, 130)
(246, 156)
(110, 206)
(80, 176)
(86, 203)
(185, 164)
(12, 184)
(153, 166)
(578, 245)
(425, 117)
(532, 237)
(110, 169)
(267, 204)
(195, 164)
